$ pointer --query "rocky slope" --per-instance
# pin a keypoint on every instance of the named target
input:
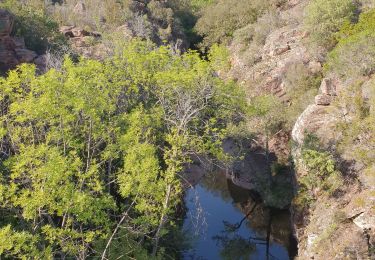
(283, 46)
(339, 226)
(335, 227)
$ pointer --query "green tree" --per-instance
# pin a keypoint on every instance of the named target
(91, 153)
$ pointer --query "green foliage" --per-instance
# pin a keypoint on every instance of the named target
(325, 17)
(252, 37)
(98, 141)
(353, 57)
(301, 87)
(219, 57)
(20, 245)
(219, 20)
(266, 114)
(320, 167)
(96, 15)
(186, 12)
(320, 175)
(354, 54)
(358, 127)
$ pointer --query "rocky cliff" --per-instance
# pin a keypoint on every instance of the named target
(338, 226)
(12, 49)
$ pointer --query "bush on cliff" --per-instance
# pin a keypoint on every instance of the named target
(323, 18)
(354, 54)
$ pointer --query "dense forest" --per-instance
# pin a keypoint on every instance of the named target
(105, 104)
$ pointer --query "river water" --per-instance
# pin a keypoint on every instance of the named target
(219, 229)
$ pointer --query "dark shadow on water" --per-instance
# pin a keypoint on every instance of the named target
(239, 225)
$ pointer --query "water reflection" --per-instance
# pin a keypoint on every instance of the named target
(228, 222)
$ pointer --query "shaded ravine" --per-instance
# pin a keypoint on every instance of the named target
(225, 221)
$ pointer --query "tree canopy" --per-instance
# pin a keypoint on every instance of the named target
(99, 144)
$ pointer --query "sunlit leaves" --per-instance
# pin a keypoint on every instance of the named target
(95, 139)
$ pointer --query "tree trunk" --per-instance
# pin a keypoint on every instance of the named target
(163, 219)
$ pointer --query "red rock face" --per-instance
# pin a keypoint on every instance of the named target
(12, 49)
(6, 23)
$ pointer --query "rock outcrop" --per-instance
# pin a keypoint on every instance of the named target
(12, 49)
(84, 42)
(283, 46)
(340, 226)
(319, 118)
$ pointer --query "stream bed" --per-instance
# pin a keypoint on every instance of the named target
(225, 221)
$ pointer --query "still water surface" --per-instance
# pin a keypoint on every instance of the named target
(215, 208)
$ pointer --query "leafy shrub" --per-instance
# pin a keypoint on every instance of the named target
(219, 20)
(325, 17)
(301, 87)
(252, 37)
(134, 118)
(186, 12)
(358, 133)
(321, 171)
(354, 54)
(97, 14)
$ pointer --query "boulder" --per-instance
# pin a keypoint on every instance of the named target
(365, 220)
(79, 32)
(75, 32)
(19, 42)
(7, 60)
(315, 66)
(328, 87)
(7, 43)
(25, 55)
(41, 62)
(67, 31)
(280, 50)
(12, 49)
(316, 119)
(6, 23)
(323, 100)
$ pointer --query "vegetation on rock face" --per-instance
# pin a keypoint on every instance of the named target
(32, 23)
(219, 21)
(324, 18)
(355, 51)
(100, 144)
(320, 175)
(301, 87)
(353, 58)
(91, 151)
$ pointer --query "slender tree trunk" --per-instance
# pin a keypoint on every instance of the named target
(88, 148)
(124, 215)
(163, 219)
(268, 236)
(112, 236)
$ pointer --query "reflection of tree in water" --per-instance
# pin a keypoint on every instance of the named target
(268, 224)
(234, 246)
(216, 184)
(219, 185)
